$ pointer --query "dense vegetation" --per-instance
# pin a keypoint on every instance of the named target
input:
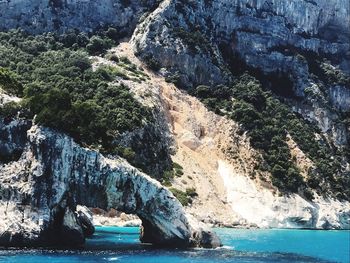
(268, 122)
(54, 76)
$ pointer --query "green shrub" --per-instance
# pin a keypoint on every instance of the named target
(152, 63)
(191, 192)
(167, 177)
(10, 109)
(98, 45)
(125, 60)
(9, 83)
(177, 166)
(186, 197)
(183, 198)
(112, 57)
(174, 78)
(60, 88)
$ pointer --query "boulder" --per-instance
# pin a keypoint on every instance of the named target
(72, 233)
(205, 238)
(85, 218)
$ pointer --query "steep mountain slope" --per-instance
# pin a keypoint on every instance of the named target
(291, 49)
(288, 40)
(221, 165)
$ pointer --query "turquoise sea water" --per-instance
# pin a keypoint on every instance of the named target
(115, 244)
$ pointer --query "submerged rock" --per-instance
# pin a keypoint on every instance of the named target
(39, 194)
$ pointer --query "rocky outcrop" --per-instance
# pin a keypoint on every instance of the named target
(39, 194)
(264, 34)
(340, 97)
(86, 220)
(60, 15)
(12, 139)
(260, 207)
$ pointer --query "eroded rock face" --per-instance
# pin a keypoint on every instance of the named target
(60, 15)
(263, 34)
(203, 42)
(39, 194)
(85, 218)
(12, 139)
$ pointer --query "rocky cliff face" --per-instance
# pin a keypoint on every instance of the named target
(61, 15)
(205, 42)
(260, 32)
(40, 191)
(263, 33)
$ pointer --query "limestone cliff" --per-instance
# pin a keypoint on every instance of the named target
(207, 42)
(204, 42)
(60, 15)
(39, 193)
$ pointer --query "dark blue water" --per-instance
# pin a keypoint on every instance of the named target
(115, 244)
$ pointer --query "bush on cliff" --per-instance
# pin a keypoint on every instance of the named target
(54, 76)
(9, 83)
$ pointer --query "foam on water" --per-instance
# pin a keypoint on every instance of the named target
(112, 259)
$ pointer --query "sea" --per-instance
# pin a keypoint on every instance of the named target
(121, 244)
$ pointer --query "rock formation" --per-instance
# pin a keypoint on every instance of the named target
(278, 38)
(86, 220)
(60, 15)
(39, 193)
(265, 34)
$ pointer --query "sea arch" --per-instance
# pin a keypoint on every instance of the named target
(41, 191)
